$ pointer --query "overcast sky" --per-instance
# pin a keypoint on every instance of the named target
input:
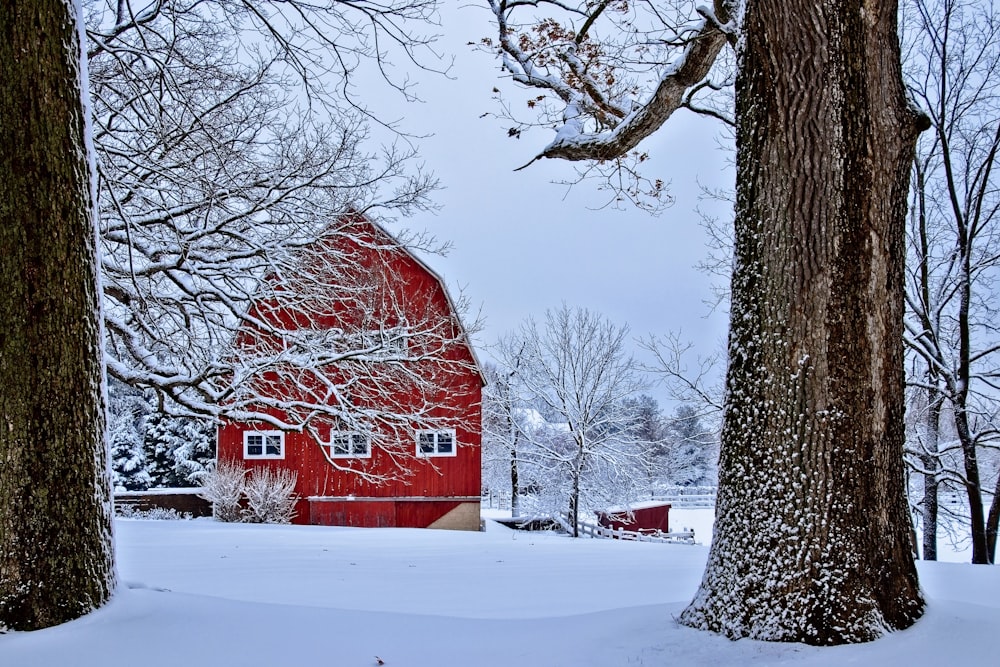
(523, 244)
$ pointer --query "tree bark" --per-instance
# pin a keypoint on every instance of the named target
(929, 460)
(812, 540)
(992, 523)
(973, 484)
(56, 560)
(515, 485)
(574, 503)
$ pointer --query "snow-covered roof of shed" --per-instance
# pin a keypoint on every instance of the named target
(532, 418)
(645, 504)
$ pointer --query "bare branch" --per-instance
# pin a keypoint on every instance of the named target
(627, 124)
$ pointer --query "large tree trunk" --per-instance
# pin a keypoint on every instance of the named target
(56, 559)
(812, 535)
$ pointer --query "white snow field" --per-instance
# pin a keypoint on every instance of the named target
(200, 592)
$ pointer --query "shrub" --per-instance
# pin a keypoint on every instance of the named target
(224, 487)
(270, 496)
(153, 513)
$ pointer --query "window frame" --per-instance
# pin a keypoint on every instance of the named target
(436, 453)
(263, 455)
(352, 435)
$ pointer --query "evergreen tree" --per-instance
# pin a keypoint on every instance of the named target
(692, 451)
(128, 456)
(648, 429)
(180, 450)
(127, 412)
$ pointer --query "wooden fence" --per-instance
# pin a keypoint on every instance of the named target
(496, 499)
(600, 532)
(182, 501)
(687, 497)
(681, 497)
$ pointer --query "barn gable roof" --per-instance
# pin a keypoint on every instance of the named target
(355, 216)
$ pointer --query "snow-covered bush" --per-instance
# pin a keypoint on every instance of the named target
(224, 488)
(270, 496)
(153, 513)
(262, 496)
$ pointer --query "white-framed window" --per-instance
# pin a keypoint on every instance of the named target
(436, 443)
(346, 445)
(263, 445)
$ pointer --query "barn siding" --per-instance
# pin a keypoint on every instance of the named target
(656, 517)
(390, 512)
(443, 478)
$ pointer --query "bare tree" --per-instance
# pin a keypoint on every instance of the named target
(233, 140)
(825, 136)
(56, 549)
(953, 70)
(937, 493)
(695, 382)
(594, 65)
(575, 366)
(505, 431)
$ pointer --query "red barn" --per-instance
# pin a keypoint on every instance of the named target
(644, 516)
(375, 398)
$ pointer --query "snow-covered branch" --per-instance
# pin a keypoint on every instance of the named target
(605, 109)
(230, 143)
(954, 240)
(580, 441)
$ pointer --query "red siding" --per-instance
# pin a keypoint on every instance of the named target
(457, 398)
(656, 517)
(455, 476)
(379, 513)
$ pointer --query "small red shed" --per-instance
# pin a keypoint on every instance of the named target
(411, 380)
(647, 516)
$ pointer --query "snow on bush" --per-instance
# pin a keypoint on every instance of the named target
(224, 488)
(270, 496)
(260, 496)
(153, 513)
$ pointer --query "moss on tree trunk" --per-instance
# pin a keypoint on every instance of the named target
(56, 560)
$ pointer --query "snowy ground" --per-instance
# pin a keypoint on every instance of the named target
(203, 593)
